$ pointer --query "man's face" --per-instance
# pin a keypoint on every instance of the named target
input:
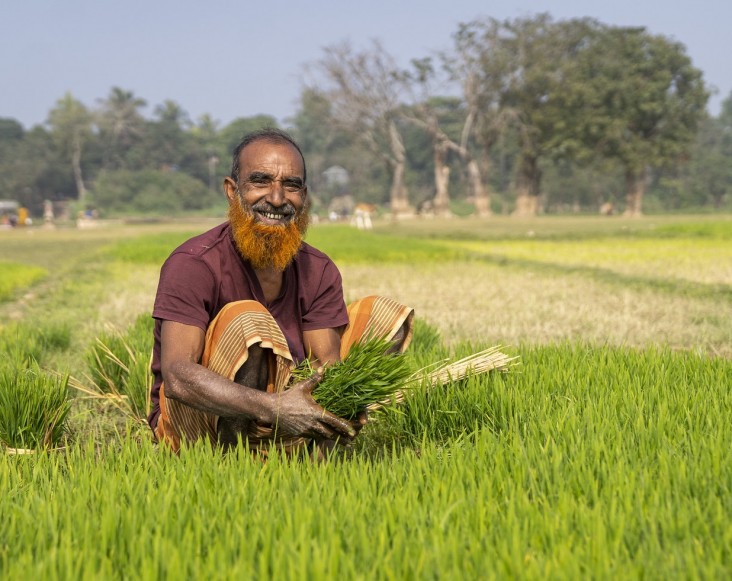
(271, 183)
(268, 212)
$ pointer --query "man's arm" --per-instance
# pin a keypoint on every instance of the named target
(293, 412)
(322, 346)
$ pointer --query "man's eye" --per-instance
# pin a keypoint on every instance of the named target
(292, 187)
(260, 182)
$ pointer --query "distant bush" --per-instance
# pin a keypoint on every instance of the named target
(150, 192)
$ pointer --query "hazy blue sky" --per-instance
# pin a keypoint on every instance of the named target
(233, 59)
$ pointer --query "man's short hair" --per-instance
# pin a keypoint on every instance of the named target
(270, 134)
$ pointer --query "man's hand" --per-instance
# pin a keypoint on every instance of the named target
(295, 413)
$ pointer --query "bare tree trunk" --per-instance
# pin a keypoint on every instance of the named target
(398, 196)
(76, 165)
(478, 190)
(635, 187)
(527, 187)
(442, 181)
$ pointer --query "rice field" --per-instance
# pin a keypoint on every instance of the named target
(606, 453)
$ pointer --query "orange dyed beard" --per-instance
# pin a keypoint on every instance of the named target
(266, 246)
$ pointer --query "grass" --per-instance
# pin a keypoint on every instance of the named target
(119, 362)
(33, 406)
(17, 276)
(590, 463)
(607, 453)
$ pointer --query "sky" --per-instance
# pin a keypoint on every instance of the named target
(238, 59)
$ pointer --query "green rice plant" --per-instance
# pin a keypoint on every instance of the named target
(33, 406)
(15, 276)
(602, 463)
(426, 340)
(368, 375)
(119, 366)
(350, 246)
(150, 248)
(23, 342)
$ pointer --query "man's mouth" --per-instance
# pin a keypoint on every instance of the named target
(273, 216)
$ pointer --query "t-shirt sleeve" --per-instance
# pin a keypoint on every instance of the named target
(186, 291)
(328, 308)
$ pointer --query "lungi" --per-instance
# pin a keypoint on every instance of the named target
(237, 327)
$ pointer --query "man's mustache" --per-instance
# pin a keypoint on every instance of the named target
(286, 209)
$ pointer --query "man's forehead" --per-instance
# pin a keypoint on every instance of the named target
(265, 153)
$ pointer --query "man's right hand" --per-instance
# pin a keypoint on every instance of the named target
(295, 413)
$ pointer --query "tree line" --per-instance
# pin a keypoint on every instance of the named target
(518, 116)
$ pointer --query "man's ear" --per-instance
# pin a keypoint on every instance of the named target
(230, 188)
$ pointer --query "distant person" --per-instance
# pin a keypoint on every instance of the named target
(238, 306)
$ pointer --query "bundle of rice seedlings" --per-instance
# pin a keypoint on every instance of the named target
(366, 376)
(369, 379)
(33, 407)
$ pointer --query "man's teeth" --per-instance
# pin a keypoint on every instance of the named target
(273, 216)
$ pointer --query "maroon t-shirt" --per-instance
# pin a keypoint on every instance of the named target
(207, 272)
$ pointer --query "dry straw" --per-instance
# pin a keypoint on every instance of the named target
(490, 359)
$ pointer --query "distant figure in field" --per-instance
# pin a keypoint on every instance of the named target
(362, 216)
(607, 209)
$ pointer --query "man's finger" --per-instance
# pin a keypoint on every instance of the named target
(308, 385)
(322, 431)
(338, 424)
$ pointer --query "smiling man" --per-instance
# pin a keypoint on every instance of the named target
(238, 306)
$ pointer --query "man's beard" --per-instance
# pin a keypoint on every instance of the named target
(267, 246)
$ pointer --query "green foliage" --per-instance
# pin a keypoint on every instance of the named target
(150, 191)
(350, 246)
(149, 249)
(16, 276)
(368, 375)
(21, 343)
(597, 463)
(33, 406)
(119, 364)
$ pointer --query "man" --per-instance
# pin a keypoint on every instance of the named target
(238, 306)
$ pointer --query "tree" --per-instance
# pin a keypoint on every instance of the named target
(121, 126)
(366, 90)
(71, 124)
(479, 63)
(710, 175)
(536, 75)
(437, 116)
(643, 100)
(206, 132)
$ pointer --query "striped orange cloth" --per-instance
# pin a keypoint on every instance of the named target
(242, 324)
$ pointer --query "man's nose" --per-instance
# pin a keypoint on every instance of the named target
(276, 195)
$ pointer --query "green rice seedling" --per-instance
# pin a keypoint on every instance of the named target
(23, 342)
(426, 340)
(119, 366)
(368, 375)
(347, 245)
(16, 276)
(150, 248)
(33, 407)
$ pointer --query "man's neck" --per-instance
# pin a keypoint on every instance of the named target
(270, 279)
